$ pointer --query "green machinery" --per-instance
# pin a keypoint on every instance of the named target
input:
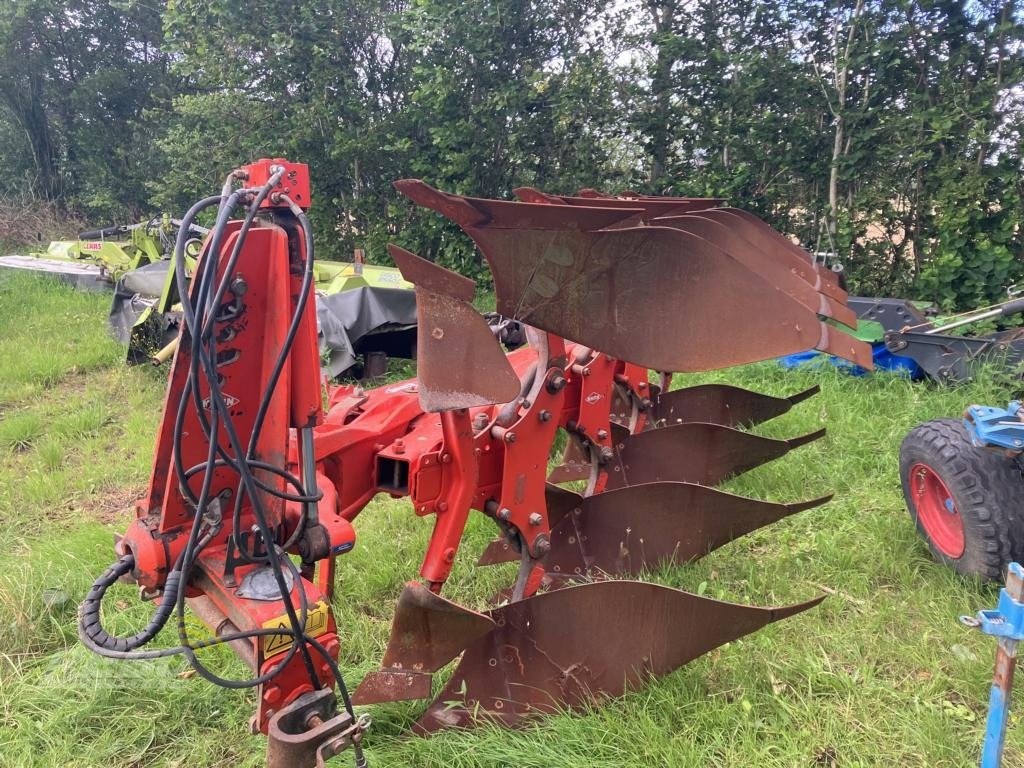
(101, 257)
(366, 313)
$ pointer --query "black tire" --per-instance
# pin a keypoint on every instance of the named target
(986, 490)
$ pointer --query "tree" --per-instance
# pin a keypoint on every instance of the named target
(76, 78)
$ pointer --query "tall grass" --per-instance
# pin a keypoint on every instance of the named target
(880, 674)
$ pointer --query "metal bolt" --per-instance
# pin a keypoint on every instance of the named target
(480, 421)
(535, 518)
(504, 514)
(239, 286)
(545, 415)
(602, 434)
(510, 437)
(446, 458)
(556, 383)
(541, 546)
(442, 506)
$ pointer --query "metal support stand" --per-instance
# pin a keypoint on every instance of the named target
(1007, 624)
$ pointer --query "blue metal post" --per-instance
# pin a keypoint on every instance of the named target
(1001, 428)
(1007, 624)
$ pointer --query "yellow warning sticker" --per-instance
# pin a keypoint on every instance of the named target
(316, 624)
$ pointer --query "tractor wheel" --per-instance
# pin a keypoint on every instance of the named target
(963, 499)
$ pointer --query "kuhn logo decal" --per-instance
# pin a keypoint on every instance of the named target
(229, 400)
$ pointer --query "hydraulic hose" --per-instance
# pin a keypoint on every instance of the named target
(90, 626)
(200, 306)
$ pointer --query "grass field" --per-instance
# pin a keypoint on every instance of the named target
(881, 674)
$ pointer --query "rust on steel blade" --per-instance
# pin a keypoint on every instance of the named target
(705, 202)
(427, 632)
(692, 453)
(827, 276)
(841, 344)
(781, 249)
(621, 635)
(723, 404)
(459, 362)
(763, 262)
(506, 214)
(623, 531)
(651, 207)
(608, 289)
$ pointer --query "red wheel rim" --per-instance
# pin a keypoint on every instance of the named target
(937, 511)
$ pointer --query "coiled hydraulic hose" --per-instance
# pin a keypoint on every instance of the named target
(89, 612)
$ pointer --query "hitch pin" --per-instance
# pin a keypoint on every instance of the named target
(353, 735)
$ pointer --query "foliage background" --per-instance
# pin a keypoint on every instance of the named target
(886, 130)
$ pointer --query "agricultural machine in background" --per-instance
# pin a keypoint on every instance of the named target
(250, 470)
(366, 313)
(951, 358)
(913, 338)
(964, 489)
(100, 258)
(963, 484)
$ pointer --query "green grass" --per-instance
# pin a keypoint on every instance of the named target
(881, 674)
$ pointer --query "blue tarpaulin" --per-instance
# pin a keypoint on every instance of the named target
(883, 358)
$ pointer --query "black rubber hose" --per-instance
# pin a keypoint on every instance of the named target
(273, 469)
(90, 624)
(194, 319)
(95, 234)
(279, 363)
